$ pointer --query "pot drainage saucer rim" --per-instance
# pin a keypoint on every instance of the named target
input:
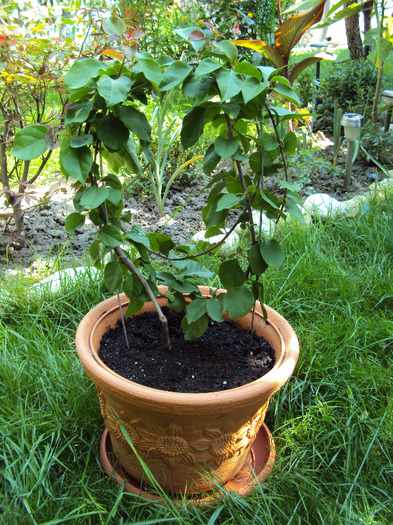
(256, 469)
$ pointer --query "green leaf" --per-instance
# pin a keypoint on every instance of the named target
(195, 310)
(193, 268)
(245, 68)
(113, 90)
(112, 276)
(132, 159)
(182, 286)
(74, 221)
(82, 71)
(134, 307)
(94, 250)
(256, 261)
(114, 196)
(75, 163)
(210, 160)
(177, 303)
(151, 70)
(229, 201)
(238, 302)
(112, 132)
(207, 66)
(293, 209)
(77, 113)
(138, 239)
(29, 142)
(160, 242)
(135, 121)
(231, 275)
(252, 88)
(225, 147)
(110, 236)
(114, 26)
(287, 93)
(196, 88)
(174, 75)
(82, 140)
(210, 215)
(132, 286)
(93, 197)
(229, 49)
(213, 309)
(195, 329)
(193, 124)
(290, 143)
(229, 83)
(267, 142)
(272, 253)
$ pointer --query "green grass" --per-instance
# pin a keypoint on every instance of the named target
(332, 422)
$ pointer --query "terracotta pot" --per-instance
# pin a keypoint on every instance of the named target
(181, 435)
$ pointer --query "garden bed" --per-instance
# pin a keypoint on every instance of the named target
(45, 231)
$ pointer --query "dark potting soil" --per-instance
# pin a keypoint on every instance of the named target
(219, 360)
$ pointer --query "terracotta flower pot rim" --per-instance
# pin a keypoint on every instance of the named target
(239, 395)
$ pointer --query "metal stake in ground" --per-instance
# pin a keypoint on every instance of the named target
(352, 123)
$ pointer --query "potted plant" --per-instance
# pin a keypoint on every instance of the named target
(180, 436)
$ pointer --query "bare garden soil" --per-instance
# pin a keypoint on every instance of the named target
(47, 240)
(219, 360)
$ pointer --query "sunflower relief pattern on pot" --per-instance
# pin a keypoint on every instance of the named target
(173, 445)
(254, 424)
(103, 403)
(131, 429)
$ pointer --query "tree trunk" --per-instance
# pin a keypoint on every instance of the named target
(355, 44)
(367, 11)
(20, 234)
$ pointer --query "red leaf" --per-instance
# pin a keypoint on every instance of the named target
(196, 36)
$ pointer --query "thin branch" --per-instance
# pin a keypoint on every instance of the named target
(131, 266)
(43, 163)
(282, 153)
(242, 181)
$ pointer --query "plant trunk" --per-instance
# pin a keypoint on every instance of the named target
(378, 88)
(19, 240)
(367, 12)
(354, 39)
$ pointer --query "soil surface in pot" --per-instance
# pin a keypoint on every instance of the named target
(219, 360)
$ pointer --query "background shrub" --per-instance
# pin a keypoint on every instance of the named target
(352, 83)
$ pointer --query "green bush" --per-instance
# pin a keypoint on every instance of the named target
(304, 86)
(352, 83)
(379, 144)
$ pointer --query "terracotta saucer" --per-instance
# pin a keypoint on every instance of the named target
(256, 469)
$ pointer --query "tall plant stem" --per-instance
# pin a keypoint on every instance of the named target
(282, 153)
(131, 266)
(378, 88)
(239, 168)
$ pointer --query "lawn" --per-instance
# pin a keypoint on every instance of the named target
(332, 422)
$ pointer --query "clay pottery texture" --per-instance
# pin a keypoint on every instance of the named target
(180, 436)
